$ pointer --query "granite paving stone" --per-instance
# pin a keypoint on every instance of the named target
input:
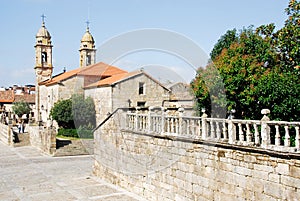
(26, 174)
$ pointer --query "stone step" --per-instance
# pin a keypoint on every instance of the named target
(21, 139)
(65, 147)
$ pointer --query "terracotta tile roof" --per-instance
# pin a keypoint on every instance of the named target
(7, 96)
(61, 77)
(98, 70)
(108, 81)
(114, 79)
(28, 98)
(101, 69)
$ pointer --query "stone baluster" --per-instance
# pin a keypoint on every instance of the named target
(136, 121)
(297, 138)
(248, 134)
(127, 120)
(265, 129)
(287, 141)
(212, 130)
(158, 123)
(204, 125)
(193, 127)
(218, 131)
(168, 124)
(163, 114)
(146, 123)
(188, 126)
(140, 120)
(149, 120)
(231, 132)
(277, 136)
(180, 121)
(224, 130)
(176, 122)
(172, 124)
(133, 120)
(256, 135)
(155, 124)
(241, 133)
(199, 128)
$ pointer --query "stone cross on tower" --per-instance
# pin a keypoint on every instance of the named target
(43, 18)
(87, 49)
(87, 24)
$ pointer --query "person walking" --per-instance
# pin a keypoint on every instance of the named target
(19, 126)
(23, 126)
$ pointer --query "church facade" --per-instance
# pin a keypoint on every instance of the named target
(110, 87)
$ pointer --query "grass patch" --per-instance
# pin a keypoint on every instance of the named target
(79, 133)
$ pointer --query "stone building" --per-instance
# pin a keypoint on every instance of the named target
(63, 86)
(15, 94)
(109, 86)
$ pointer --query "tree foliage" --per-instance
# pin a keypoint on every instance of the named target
(75, 112)
(21, 108)
(84, 113)
(224, 43)
(259, 68)
(61, 112)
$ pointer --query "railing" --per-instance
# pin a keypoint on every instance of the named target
(274, 135)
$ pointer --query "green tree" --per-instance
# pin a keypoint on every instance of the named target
(61, 112)
(239, 66)
(76, 111)
(280, 92)
(83, 110)
(287, 39)
(21, 108)
(224, 43)
(259, 68)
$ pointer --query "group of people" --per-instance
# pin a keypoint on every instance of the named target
(21, 126)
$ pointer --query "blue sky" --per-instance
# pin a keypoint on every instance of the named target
(201, 21)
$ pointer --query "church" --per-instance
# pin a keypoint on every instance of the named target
(110, 87)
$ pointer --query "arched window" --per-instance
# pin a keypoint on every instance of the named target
(88, 60)
(44, 57)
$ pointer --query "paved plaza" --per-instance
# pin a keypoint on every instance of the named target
(29, 175)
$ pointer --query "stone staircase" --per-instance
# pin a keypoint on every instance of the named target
(66, 147)
(21, 139)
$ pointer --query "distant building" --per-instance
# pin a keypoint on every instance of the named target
(14, 94)
(109, 86)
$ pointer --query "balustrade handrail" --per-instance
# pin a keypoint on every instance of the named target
(233, 131)
(108, 117)
(286, 123)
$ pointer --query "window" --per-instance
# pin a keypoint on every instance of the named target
(88, 60)
(141, 104)
(44, 57)
(141, 88)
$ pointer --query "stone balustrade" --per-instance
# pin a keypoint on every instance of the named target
(273, 135)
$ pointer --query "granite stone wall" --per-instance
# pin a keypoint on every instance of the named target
(43, 138)
(6, 134)
(171, 168)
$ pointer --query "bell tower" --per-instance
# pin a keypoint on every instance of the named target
(87, 49)
(43, 54)
(43, 66)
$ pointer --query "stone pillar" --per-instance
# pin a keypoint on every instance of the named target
(231, 128)
(136, 121)
(204, 125)
(297, 143)
(180, 122)
(149, 123)
(265, 129)
(163, 110)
